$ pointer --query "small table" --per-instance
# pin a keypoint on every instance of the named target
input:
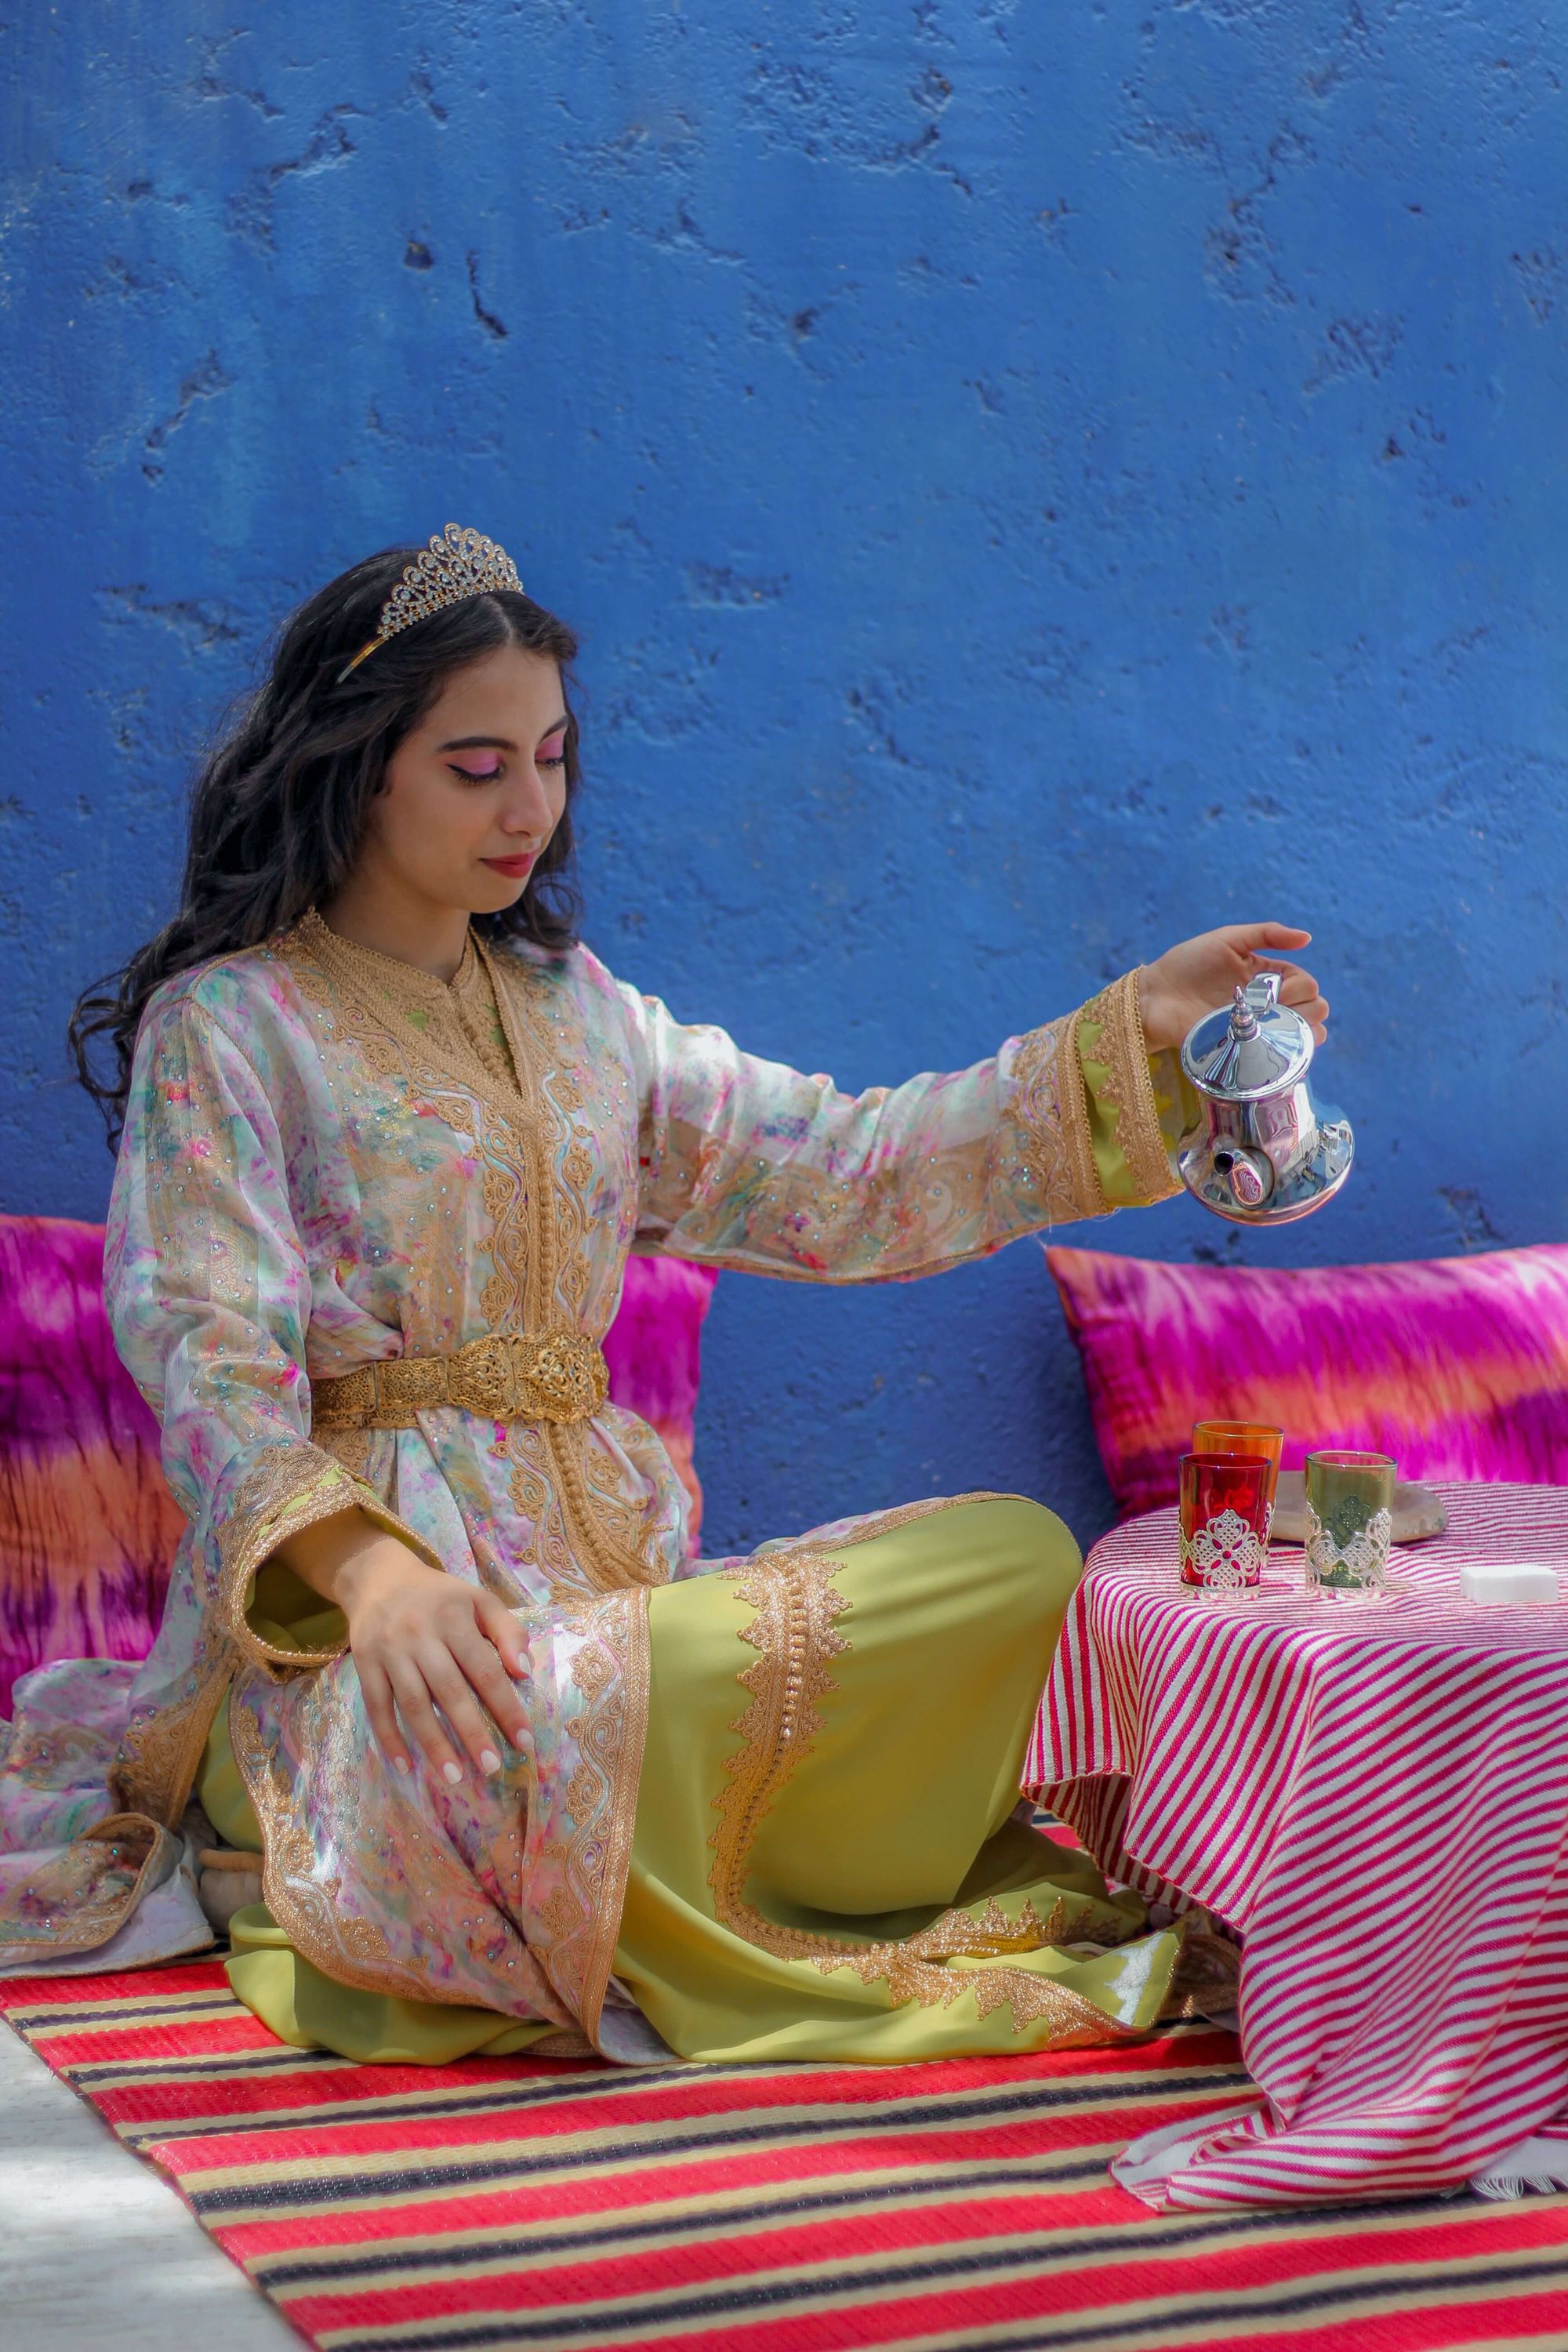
(1374, 1798)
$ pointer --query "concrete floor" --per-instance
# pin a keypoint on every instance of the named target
(96, 2252)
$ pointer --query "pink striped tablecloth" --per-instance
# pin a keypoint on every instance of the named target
(1376, 1799)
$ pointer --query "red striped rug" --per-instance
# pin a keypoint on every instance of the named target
(564, 2208)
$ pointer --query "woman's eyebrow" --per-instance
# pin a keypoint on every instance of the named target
(497, 742)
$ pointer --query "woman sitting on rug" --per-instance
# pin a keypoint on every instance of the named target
(521, 1772)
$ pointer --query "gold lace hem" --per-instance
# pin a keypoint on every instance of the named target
(795, 1634)
(1053, 1115)
(611, 1737)
(161, 1752)
(349, 1948)
(1128, 1089)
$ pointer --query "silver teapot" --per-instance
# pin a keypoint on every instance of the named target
(1263, 1151)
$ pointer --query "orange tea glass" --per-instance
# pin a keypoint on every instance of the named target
(1245, 1441)
(1250, 1439)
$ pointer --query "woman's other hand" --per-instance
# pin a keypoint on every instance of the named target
(422, 1640)
(1191, 980)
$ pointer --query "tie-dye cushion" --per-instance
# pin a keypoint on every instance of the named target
(1457, 1367)
(88, 1527)
(654, 1351)
(86, 1524)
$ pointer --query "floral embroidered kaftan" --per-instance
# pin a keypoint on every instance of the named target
(332, 1159)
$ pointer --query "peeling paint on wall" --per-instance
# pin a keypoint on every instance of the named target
(1031, 483)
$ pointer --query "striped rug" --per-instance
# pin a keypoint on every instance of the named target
(564, 2207)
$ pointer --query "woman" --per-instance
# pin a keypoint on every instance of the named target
(519, 1773)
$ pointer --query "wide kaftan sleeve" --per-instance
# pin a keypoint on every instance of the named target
(749, 1164)
(209, 1291)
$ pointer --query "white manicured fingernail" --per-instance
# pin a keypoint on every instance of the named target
(488, 1760)
(401, 1762)
(454, 1772)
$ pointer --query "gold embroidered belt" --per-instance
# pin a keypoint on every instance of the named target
(499, 1378)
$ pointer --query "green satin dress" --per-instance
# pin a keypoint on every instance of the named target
(879, 1900)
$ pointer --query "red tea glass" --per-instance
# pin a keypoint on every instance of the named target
(1226, 1502)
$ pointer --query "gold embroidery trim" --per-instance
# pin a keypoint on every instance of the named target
(349, 1949)
(396, 1014)
(794, 1635)
(161, 1752)
(1129, 1089)
(611, 1565)
(563, 2043)
(1051, 1110)
(66, 1905)
(355, 1449)
(404, 1025)
(559, 1241)
(542, 1268)
(611, 1735)
(292, 1488)
(477, 1009)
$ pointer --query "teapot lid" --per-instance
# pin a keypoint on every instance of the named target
(1248, 1050)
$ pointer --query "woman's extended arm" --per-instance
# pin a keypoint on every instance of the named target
(752, 1165)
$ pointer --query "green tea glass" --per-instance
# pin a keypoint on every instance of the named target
(1350, 1524)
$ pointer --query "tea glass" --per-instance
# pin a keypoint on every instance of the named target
(1350, 1524)
(1226, 1502)
(1251, 1440)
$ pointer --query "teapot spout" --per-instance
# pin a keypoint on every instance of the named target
(1266, 1164)
(1249, 1174)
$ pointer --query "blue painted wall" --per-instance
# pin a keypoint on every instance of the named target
(1033, 482)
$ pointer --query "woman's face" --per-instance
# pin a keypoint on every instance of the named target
(475, 790)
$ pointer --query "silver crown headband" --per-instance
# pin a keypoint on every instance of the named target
(457, 564)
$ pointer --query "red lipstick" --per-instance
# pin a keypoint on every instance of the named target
(514, 867)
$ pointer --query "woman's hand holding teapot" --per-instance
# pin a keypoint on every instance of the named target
(1191, 980)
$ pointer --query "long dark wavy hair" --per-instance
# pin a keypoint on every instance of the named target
(279, 808)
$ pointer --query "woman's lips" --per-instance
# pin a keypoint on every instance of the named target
(512, 866)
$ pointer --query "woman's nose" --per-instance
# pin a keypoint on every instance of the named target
(528, 810)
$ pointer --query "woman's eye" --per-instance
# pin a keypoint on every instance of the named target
(478, 775)
(551, 754)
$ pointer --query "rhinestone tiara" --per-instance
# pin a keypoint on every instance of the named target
(456, 564)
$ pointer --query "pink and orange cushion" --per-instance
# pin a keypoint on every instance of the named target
(1457, 1367)
(88, 1528)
